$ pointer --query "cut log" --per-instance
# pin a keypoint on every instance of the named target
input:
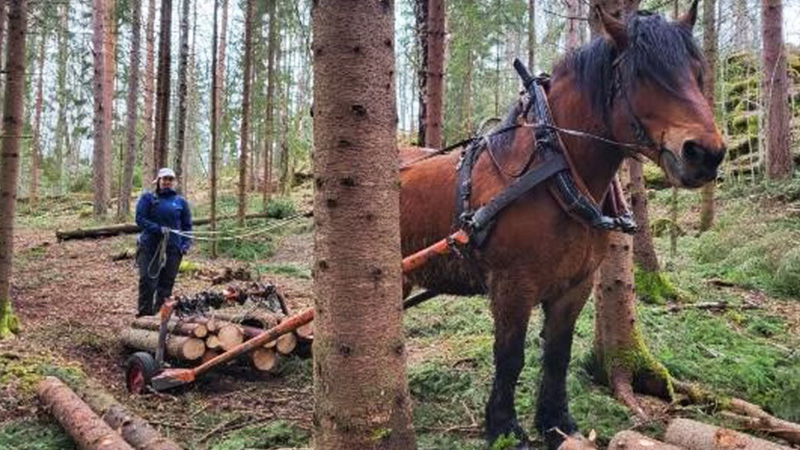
(212, 342)
(286, 343)
(264, 359)
(255, 318)
(135, 430)
(694, 435)
(130, 228)
(306, 332)
(209, 354)
(631, 440)
(180, 347)
(153, 323)
(230, 336)
(88, 430)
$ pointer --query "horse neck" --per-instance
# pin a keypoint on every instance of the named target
(595, 163)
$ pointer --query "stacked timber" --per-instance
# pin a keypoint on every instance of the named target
(200, 338)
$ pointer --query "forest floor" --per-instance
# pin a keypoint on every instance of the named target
(73, 301)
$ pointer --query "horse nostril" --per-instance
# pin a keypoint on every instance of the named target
(692, 151)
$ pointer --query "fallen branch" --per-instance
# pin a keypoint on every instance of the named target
(88, 430)
(711, 306)
(694, 435)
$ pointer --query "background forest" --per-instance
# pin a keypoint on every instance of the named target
(722, 310)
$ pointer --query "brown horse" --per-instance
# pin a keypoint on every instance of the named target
(643, 77)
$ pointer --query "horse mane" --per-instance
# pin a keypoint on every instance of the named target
(658, 51)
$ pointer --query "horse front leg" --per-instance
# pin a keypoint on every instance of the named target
(511, 313)
(552, 406)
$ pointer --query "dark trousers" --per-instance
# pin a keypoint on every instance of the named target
(155, 285)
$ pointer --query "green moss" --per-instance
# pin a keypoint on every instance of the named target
(639, 361)
(9, 323)
(188, 267)
(654, 177)
(272, 435)
(654, 287)
(506, 441)
(381, 434)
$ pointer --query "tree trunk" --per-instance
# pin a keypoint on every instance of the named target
(124, 204)
(532, 35)
(181, 347)
(13, 121)
(644, 254)
(244, 135)
(214, 130)
(2, 36)
(269, 114)
(88, 430)
(135, 430)
(183, 62)
(573, 40)
(361, 390)
(148, 161)
(631, 440)
(161, 142)
(102, 108)
(709, 82)
(36, 144)
(694, 435)
(421, 17)
(153, 323)
(779, 157)
(62, 131)
(434, 118)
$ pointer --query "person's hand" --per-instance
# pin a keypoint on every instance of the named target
(165, 231)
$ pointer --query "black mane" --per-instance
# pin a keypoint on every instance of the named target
(658, 51)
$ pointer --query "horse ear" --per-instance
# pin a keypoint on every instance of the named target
(613, 28)
(690, 18)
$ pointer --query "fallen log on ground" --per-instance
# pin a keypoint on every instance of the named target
(88, 430)
(694, 435)
(131, 228)
(181, 347)
(153, 323)
(135, 430)
(631, 440)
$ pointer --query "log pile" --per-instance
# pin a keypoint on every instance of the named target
(198, 338)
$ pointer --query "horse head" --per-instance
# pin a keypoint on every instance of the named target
(646, 76)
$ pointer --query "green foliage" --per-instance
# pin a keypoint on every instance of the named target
(303, 273)
(280, 208)
(34, 434)
(654, 177)
(188, 267)
(272, 435)
(248, 248)
(505, 442)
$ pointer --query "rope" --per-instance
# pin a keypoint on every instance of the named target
(160, 254)
(254, 232)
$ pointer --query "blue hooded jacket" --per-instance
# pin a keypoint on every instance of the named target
(163, 209)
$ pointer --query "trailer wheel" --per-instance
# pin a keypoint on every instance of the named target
(140, 368)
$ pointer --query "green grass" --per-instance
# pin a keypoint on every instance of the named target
(272, 435)
(34, 434)
(290, 270)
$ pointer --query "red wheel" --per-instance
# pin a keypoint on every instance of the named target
(140, 368)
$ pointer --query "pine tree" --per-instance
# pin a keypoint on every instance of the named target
(124, 203)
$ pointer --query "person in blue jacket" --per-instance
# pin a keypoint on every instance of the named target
(159, 250)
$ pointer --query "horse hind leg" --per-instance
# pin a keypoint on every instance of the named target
(552, 407)
(511, 315)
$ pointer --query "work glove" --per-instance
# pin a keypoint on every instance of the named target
(165, 231)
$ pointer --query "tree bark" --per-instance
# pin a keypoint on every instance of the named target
(153, 323)
(631, 440)
(421, 17)
(13, 121)
(102, 107)
(244, 135)
(532, 35)
(361, 390)
(183, 62)
(434, 118)
(148, 157)
(779, 156)
(709, 83)
(181, 347)
(36, 144)
(214, 129)
(269, 139)
(264, 359)
(3, 17)
(644, 253)
(88, 430)
(573, 40)
(124, 204)
(694, 435)
(161, 143)
(135, 430)
(62, 131)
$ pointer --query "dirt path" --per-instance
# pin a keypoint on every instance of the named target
(73, 301)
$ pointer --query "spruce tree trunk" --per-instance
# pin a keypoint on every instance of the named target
(183, 61)
(360, 385)
(215, 95)
(244, 135)
(124, 203)
(13, 122)
(102, 108)
(644, 254)
(161, 142)
(3, 18)
(62, 131)
(148, 157)
(434, 115)
(421, 17)
(36, 144)
(269, 139)
(709, 81)
(532, 35)
(779, 157)
(573, 25)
